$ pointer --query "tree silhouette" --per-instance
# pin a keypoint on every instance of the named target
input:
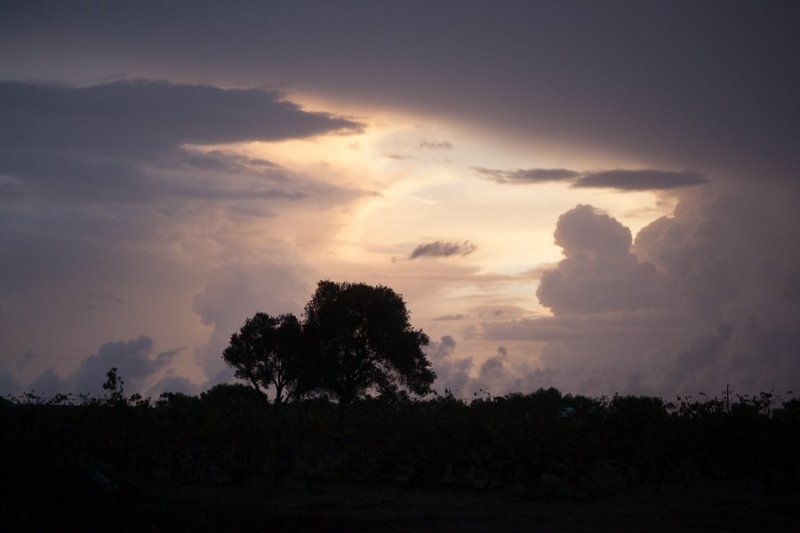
(361, 339)
(266, 352)
(114, 386)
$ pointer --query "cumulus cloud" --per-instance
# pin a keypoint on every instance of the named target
(452, 373)
(497, 375)
(599, 273)
(442, 249)
(178, 384)
(621, 180)
(236, 292)
(699, 300)
(9, 383)
(134, 360)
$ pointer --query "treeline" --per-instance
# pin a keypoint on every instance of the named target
(543, 442)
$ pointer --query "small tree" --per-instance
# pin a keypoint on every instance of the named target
(360, 338)
(266, 352)
(115, 393)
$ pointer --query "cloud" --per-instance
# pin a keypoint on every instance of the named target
(621, 180)
(605, 326)
(9, 383)
(435, 145)
(176, 384)
(493, 369)
(532, 71)
(532, 175)
(236, 292)
(457, 316)
(698, 300)
(498, 374)
(133, 359)
(702, 355)
(111, 189)
(452, 373)
(146, 115)
(599, 273)
(640, 180)
(124, 140)
(442, 249)
(792, 290)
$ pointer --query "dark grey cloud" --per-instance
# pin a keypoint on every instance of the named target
(792, 290)
(442, 249)
(573, 327)
(221, 160)
(652, 79)
(640, 180)
(702, 355)
(121, 140)
(532, 175)
(146, 115)
(457, 316)
(621, 180)
(436, 145)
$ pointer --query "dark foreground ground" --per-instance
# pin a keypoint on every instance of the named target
(359, 508)
(539, 462)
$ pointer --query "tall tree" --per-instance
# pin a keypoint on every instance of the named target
(267, 352)
(361, 339)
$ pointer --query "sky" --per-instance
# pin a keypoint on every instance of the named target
(595, 196)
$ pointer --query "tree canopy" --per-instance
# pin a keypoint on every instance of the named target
(354, 338)
(362, 339)
(266, 352)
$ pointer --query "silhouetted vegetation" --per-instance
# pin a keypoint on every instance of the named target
(230, 434)
(545, 444)
(269, 352)
(354, 338)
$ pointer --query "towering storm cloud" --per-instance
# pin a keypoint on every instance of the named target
(600, 272)
(698, 301)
